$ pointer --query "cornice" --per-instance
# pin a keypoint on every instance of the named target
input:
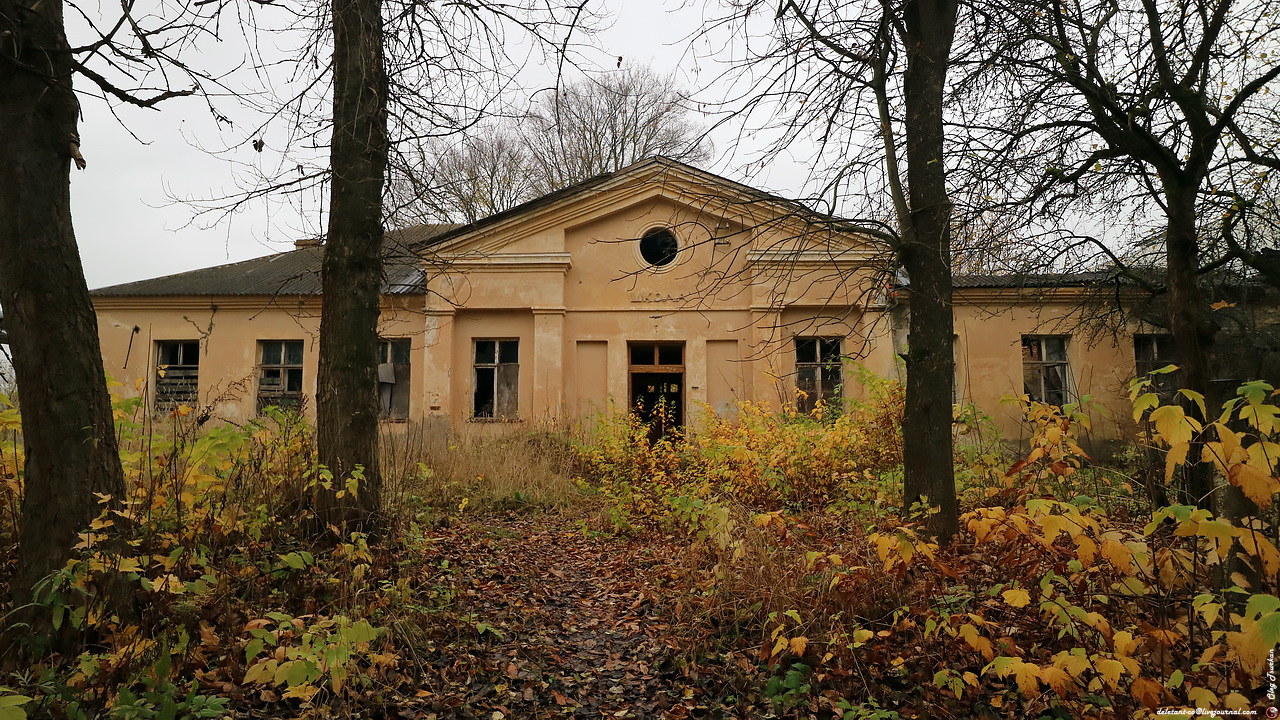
(812, 259)
(504, 262)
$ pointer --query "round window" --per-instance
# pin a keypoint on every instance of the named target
(658, 247)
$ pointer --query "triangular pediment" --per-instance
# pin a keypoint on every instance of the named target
(734, 209)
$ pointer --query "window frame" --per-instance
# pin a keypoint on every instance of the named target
(397, 392)
(1165, 384)
(496, 369)
(1067, 389)
(169, 377)
(665, 262)
(825, 390)
(280, 398)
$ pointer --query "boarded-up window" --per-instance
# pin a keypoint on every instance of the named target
(279, 373)
(1046, 376)
(177, 373)
(393, 379)
(497, 379)
(818, 372)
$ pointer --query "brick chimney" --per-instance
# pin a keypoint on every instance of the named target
(308, 242)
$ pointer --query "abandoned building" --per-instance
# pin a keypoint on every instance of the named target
(656, 282)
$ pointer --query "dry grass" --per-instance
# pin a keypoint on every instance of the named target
(517, 470)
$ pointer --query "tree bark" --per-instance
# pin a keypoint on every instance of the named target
(1189, 322)
(347, 400)
(926, 256)
(67, 427)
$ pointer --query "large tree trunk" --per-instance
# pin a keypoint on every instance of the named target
(67, 427)
(926, 257)
(347, 397)
(1190, 324)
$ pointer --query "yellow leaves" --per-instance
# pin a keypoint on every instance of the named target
(1142, 403)
(1123, 643)
(1264, 418)
(1016, 597)
(1054, 525)
(1025, 674)
(302, 692)
(1208, 609)
(169, 583)
(1086, 550)
(1060, 680)
(1148, 692)
(764, 520)
(975, 640)
(1119, 555)
(1218, 533)
(1263, 454)
(1237, 702)
(982, 522)
(1259, 633)
(1109, 670)
(1257, 485)
(1053, 435)
(1202, 697)
(798, 645)
(1173, 425)
(1074, 663)
(900, 547)
(779, 645)
(1098, 622)
(1227, 450)
(1176, 456)
(1255, 544)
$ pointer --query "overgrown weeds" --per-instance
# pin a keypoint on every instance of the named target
(227, 603)
(1066, 595)
(523, 470)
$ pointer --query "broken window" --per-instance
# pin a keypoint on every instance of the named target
(497, 379)
(279, 373)
(818, 372)
(177, 373)
(1045, 374)
(657, 356)
(393, 379)
(1151, 353)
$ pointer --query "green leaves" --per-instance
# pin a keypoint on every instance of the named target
(11, 706)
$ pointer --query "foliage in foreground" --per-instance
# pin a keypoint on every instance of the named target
(224, 606)
(1051, 603)
(757, 456)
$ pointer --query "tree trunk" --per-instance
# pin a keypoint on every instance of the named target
(67, 426)
(1190, 324)
(347, 395)
(926, 257)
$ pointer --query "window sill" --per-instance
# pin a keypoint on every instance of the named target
(485, 420)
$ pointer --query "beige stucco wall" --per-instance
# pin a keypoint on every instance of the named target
(229, 329)
(573, 290)
(568, 282)
(990, 325)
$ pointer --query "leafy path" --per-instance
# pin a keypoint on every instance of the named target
(553, 623)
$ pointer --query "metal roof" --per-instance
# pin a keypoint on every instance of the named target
(295, 272)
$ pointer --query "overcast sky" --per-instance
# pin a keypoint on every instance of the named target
(129, 227)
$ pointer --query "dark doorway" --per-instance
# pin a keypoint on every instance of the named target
(657, 385)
